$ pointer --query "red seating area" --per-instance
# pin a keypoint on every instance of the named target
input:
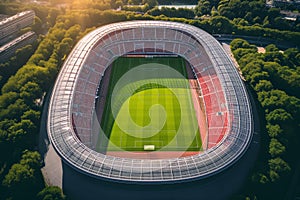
(216, 112)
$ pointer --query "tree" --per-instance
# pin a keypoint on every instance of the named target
(23, 179)
(64, 47)
(260, 178)
(259, 76)
(151, 3)
(226, 12)
(44, 50)
(119, 3)
(279, 115)
(289, 77)
(271, 68)
(30, 92)
(252, 56)
(134, 2)
(52, 15)
(27, 73)
(273, 13)
(240, 43)
(14, 110)
(172, 12)
(272, 82)
(279, 99)
(252, 68)
(32, 159)
(73, 32)
(36, 58)
(266, 22)
(11, 66)
(281, 24)
(203, 8)
(214, 11)
(221, 24)
(274, 130)
(32, 115)
(37, 25)
(279, 165)
(240, 22)
(276, 148)
(116, 4)
(51, 193)
(275, 56)
(271, 48)
(22, 133)
(19, 176)
(274, 175)
(4, 126)
(8, 98)
(263, 85)
(293, 55)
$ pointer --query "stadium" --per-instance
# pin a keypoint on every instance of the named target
(183, 65)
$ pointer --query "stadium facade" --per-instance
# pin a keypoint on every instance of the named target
(71, 125)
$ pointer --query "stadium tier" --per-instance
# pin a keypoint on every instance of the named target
(72, 127)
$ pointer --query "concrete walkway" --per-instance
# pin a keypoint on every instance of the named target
(52, 170)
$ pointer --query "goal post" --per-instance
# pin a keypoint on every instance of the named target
(149, 147)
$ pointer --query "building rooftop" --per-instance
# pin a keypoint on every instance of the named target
(14, 17)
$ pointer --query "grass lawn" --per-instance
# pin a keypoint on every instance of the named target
(157, 111)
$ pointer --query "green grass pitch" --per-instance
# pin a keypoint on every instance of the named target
(153, 114)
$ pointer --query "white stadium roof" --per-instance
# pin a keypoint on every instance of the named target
(106, 44)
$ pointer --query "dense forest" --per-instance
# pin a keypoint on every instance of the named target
(274, 79)
(26, 79)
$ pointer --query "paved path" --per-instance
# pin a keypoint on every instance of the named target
(52, 170)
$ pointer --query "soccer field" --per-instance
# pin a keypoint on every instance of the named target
(157, 112)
